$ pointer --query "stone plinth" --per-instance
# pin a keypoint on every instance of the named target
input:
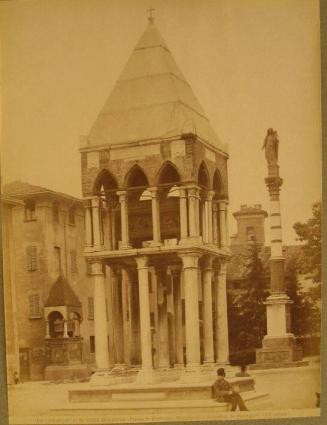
(65, 359)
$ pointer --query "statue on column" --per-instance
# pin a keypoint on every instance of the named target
(270, 146)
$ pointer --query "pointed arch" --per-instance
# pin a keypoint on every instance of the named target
(168, 173)
(106, 179)
(136, 177)
(217, 184)
(203, 175)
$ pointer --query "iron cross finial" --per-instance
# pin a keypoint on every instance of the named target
(150, 11)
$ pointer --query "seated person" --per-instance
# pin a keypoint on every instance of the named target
(224, 392)
(242, 372)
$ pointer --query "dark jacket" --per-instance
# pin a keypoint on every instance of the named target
(221, 388)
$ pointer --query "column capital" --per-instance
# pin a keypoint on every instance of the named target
(207, 262)
(193, 191)
(222, 204)
(222, 269)
(96, 267)
(209, 195)
(95, 201)
(190, 259)
(122, 194)
(142, 262)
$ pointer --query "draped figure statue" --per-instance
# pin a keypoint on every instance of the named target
(270, 146)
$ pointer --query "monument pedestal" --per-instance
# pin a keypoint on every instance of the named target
(66, 360)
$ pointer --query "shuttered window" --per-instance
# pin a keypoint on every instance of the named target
(31, 258)
(34, 306)
(91, 307)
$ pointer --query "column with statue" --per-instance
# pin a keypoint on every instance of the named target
(279, 348)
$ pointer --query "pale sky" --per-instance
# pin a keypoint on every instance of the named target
(253, 64)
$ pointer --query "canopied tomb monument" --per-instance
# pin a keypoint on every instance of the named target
(154, 178)
(63, 314)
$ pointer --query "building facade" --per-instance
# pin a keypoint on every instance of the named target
(43, 234)
(154, 180)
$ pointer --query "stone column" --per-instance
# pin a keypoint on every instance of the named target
(47, 329)
(146, 373)
(179, 356)
(193, 210)
(96, 222)
(118, 317)
(190, 270)
(279, 345)
(88, 223)
(222, 345)
(126, 289)
(207, 309)
(222, 204)
(100, 317)
(155, 215)
(112, 213)
(215, 227)
(123, 200)
(65, 329)
(204, 221)
(183, 213)
(161, 273)
(208, 210)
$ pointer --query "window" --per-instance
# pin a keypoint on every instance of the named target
(73, 261)
(71, 216)
(31, 257)
(30, 210)
(55, 212)
(57, 255)
(92, 344)
(34, 306)
(91, 308)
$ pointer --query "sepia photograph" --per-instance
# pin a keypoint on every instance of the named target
(161, 196)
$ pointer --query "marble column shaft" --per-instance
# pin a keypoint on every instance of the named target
(183, 213)
(155, 214)
(179, 355)
(144, 301)
(192, 330)
(100, 317)
(123, 200)
(207, 310)
(96, 221)
(222, 344)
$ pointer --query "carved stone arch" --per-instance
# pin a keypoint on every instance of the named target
(204, 175)
(106, 179)
(218, 185)
(136, 177)
(168, 173)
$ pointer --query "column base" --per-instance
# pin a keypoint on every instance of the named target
(279, 350)
(179, 366)
(102, 377)
(146, 376)
(191, 375)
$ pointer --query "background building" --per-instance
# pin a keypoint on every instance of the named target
(43, 233)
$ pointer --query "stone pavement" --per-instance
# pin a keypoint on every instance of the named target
(292, 394)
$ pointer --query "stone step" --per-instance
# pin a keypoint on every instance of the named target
(163, 391)
(162, 408)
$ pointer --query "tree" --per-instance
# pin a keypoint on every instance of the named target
(247, 312)
(310, 233)
(305, 313)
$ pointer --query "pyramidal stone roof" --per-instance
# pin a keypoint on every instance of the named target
(151, 100)
(61, 294)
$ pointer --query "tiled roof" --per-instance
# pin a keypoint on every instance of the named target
(20, 190)
(61, 294)
(151, 100)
